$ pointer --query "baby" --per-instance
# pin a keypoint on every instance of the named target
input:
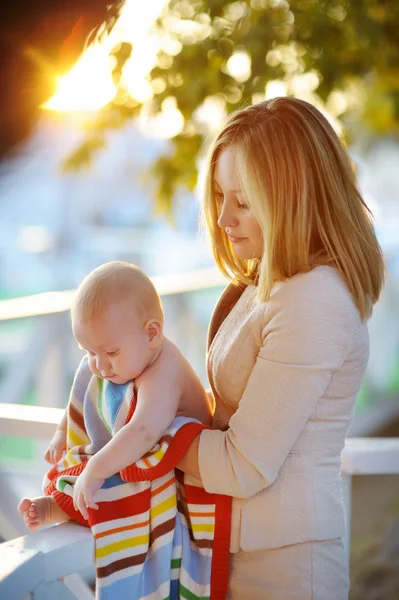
(117, 318)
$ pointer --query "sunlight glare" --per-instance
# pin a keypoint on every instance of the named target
(212, 112)
(239, 66)
(166, 124)
(89, 84)
(304, 82)
(275, 87)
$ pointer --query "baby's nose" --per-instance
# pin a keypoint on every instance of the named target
(102, 364)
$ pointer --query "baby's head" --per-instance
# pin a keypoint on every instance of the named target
(117, 318)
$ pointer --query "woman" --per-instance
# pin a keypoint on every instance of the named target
(288, 345)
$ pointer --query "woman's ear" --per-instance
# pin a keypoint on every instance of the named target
(153, 329)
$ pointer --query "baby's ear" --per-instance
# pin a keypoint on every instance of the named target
(153, 328)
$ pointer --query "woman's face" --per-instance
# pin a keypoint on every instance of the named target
(235, 216)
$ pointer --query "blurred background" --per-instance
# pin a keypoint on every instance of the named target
(112, 170)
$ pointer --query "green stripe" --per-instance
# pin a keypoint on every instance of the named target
(100, 383)
(185, 593)
(176, 563)
(61, 485)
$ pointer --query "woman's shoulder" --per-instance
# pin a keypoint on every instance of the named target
(324, 275)
(318, 294)
(323, 282)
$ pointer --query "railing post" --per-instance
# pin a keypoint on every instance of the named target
(11, 523)
(52, 375)
(36, 564)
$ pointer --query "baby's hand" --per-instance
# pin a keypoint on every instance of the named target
(57, 447)
(86, 485)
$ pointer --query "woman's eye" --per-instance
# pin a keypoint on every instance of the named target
(243, 205)
(219, 197)
(114, 353)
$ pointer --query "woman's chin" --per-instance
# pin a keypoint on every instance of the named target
(241, 253)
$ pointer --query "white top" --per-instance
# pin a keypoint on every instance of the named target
(285, 374)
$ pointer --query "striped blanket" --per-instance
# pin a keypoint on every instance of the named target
(158, 534)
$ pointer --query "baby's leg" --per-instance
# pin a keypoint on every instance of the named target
(41, 511)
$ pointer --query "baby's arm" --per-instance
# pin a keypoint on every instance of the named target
(58, 442)
(157, 404)
(155, 410)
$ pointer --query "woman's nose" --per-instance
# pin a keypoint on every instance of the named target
(226, 217)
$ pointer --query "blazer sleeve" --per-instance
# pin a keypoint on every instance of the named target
(307, 334)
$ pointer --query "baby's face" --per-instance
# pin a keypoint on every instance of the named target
(116, 343)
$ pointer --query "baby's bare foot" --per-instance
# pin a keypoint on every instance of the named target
(41, 511)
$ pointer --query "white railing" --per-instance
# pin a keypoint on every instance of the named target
(45, 565)
(49, 303)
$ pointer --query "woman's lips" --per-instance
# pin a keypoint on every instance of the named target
(236, 240)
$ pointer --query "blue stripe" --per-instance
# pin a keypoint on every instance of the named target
(114, 397)
(174, 590)
(112, 481)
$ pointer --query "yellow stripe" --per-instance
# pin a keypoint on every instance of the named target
(209, 527)
(159, 454)
(163, 506)
(69, 461)
(75, 438)
(122, 545)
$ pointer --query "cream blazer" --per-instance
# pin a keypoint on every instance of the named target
(285, 375)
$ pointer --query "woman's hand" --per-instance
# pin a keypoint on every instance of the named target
(189, 462)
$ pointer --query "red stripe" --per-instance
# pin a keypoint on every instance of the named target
(65, 502)
(134, 504)
(132, 408)
(221, 548)
(173, 455)
(198, 495)
(53, 475)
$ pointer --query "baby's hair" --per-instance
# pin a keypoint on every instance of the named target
(121, 282)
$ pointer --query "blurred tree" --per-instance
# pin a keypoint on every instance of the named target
(216, 56)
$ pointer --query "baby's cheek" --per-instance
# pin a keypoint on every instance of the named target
(120, 366)
(92, 365)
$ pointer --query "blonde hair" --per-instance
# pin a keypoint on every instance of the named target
(117, 281)
(300, 185)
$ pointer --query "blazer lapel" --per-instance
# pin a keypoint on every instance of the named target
(227, 300)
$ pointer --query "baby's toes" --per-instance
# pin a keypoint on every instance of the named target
(32, 512)
(24, 506)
